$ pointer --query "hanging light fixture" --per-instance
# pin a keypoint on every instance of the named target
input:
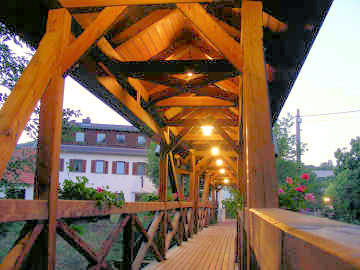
(215, 151)
(207, 130)
(222, 171)
(226, 181)
(219, 162)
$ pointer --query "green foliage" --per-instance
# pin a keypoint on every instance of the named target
(234, 203)
(78, 190)
(286, 141)
(344, 191)
(151, 197)
(152, 165)
(11, 65)
(295, 193)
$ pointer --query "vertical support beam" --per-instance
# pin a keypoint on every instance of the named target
(43, 254)
(205, 195)
(259, 152)
(192, 191)
(128, 243)
(164, 176)
(17, 109)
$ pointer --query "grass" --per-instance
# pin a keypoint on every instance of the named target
(67, 258)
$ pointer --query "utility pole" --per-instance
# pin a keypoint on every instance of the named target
(298, 143)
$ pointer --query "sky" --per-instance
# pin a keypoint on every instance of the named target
(328, 82)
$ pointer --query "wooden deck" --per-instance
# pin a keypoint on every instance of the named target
(213, 248)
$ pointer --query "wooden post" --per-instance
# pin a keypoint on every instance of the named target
(259, 153)
(43, 253)
(205, 195)
(164, 176)
(128, 243)
(192, 191)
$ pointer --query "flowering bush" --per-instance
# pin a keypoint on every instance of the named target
(294, 194)
(77, 190)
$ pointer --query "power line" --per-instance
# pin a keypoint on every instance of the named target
(324, 114)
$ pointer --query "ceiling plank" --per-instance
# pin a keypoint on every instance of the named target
(105, 3)
(200, 122)
(204, 22)
(194, 102)
(139, 26)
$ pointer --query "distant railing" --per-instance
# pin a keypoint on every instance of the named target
(280, 239)
(175, 220)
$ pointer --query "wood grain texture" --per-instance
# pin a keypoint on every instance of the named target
(259, 153)
(208, 249)
(21, 102)
(213, 32)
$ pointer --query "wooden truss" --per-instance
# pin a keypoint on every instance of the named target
(169, 69)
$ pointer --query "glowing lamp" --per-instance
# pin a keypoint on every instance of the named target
(222, 171)
(219, 162)
(215, 151)
(207, 130)
(226, 181)
(326, 199)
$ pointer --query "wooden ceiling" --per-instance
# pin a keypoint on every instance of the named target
(166, 65)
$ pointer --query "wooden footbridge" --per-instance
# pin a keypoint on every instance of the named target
(205, 80)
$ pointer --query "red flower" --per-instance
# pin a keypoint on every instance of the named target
(300, 188)
(289, 180)
(309, 197)
(281, 191)
(99, 189)
(305, 176)
(175, 195)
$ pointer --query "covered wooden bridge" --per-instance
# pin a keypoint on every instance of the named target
(176, 70)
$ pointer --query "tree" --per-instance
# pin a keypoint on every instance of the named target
(344, 191)
(153, 161)
(286, 142)
(11, 68)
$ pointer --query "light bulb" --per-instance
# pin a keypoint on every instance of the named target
(226, 180)
(222, 171)
(215, 151)
(219, 162)
(207, 130)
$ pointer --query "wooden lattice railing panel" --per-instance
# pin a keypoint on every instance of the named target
(173, 222)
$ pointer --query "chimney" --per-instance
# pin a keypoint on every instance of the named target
(87, 120)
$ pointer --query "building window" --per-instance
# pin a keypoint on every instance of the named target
(78, 165)
(99, 166)
(141, 140)
(61, 165)
(120, 167)
(120, 138)
(79, 137)
(100, 138)
(139, 168)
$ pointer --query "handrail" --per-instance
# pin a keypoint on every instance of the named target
(282, 238)
(20, 210)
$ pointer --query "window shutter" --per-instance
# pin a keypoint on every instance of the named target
(83, 166)
(114, 165)
(61, 164)
(72, 164)
(93, 165)
(106, 167)
(127, 167)
(134, 168)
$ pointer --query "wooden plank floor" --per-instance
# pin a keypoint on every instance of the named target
(212, 248)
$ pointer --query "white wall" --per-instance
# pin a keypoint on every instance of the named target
(129, 184)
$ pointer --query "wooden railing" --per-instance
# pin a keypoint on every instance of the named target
(279, 239)
(171, 221)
